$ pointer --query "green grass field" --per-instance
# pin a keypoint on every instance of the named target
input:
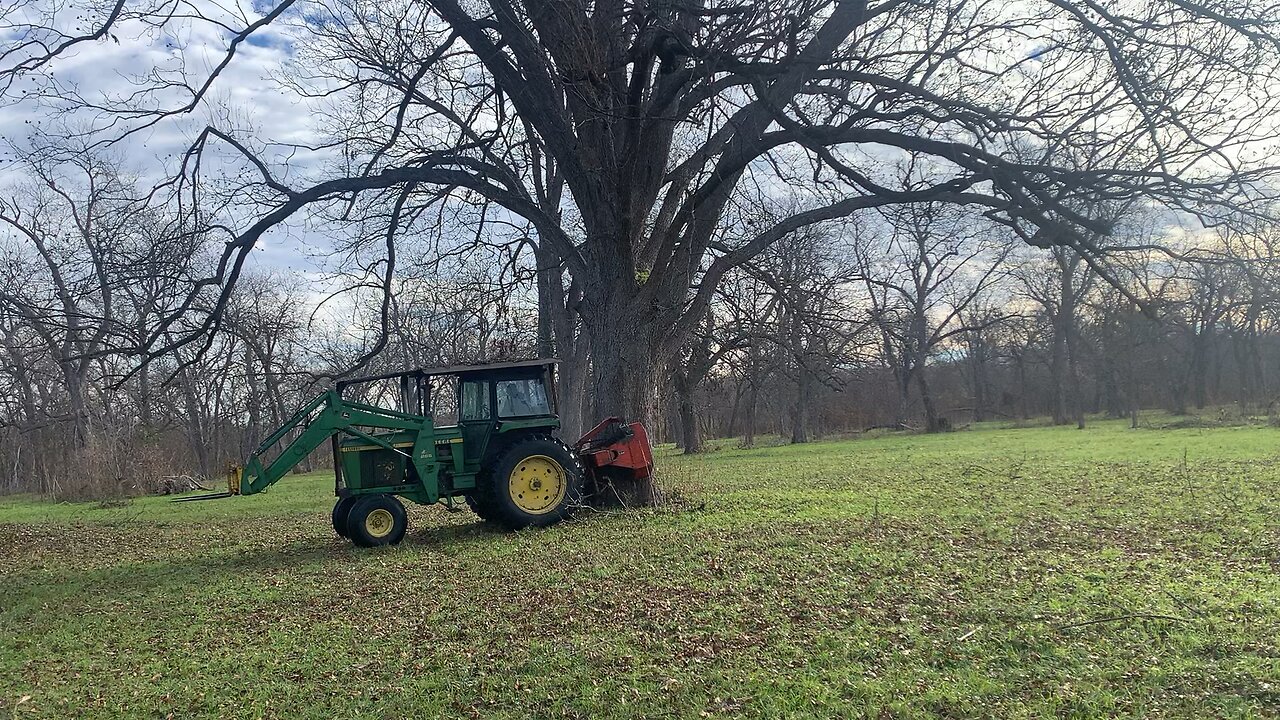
(1043, 572)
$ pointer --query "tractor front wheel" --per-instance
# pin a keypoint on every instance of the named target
(377, 520)
(341, 510)
(535, 483)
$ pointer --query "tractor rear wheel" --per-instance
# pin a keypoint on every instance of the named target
(341, 510)
(480, 506)
(377, 520)
(535, 483)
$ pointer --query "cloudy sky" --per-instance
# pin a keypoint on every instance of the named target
(246, 97)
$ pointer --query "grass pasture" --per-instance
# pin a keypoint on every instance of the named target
(1042, 572)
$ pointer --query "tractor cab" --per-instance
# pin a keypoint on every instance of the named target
(504, 399)
(513, 391)
(517, 393)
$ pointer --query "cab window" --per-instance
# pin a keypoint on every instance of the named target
(475, 400)
(520, 398)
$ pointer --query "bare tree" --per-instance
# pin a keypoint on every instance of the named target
(931, 266)
(808, 275)
(1253, 253)
(1058, 285)
(66, 231)
(983, 324)
(749, 305)
(86, 271)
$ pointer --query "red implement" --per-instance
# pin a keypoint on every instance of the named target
(616, 450)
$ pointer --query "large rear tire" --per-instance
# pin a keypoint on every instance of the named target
(536, 482)
(480, 506)
(377, 520)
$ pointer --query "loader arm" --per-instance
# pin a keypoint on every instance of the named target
(319, 420)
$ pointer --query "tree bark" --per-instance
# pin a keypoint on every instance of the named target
(1066, 402)
(76, 405)
(800, 409)
(902, 381)
(690, 433)
(560, 335)
(932, 422)
(1077, 406)
(625, 377)
(1058, 368)
(144, 396)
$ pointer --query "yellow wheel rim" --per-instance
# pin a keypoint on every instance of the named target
(379, 523)
(537, 484)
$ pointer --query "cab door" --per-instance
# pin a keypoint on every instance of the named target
(475, 417)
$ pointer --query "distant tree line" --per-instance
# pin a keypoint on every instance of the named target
(924, 320)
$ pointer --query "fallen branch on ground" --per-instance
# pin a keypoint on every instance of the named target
(1115, 618)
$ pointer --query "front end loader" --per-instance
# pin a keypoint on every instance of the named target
(502, 458)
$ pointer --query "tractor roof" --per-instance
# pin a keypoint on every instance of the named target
(496, 368)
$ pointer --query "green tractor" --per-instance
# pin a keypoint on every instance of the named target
(502, 457)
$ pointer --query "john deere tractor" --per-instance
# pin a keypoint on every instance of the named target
(502, 457)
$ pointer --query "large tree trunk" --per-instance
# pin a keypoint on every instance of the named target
(559, 335)
(144, 396)
(633, 340)
(1058, 368)
(1200, 367)
(573, 395)
(932, 422)
(77, 407)
(902, 381)
(626, 371)
(690, 433)
(800, 410)
(628, 358)
(1077, 405)
(1066, 402)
